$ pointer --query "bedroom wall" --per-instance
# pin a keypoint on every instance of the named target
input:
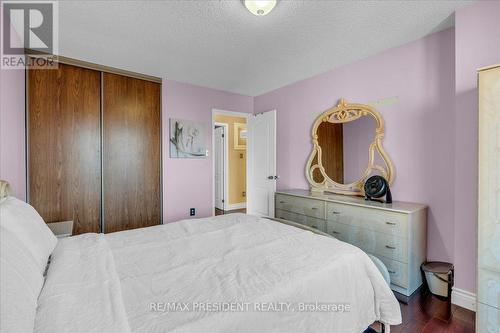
(412, 86)
(477, 44)
(188, 182)
(12, 127)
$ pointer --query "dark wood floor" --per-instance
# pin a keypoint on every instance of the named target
(222, 212)
(426, 313)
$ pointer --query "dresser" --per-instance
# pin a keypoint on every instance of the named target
(395, 233)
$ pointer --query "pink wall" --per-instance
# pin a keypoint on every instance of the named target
(12, 153)
(477, 44)
(188, 182)
(12, 126)
(419, 126)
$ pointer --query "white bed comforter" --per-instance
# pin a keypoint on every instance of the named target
(235, 273)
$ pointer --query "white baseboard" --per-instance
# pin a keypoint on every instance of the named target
(240, 205)
(463, 298)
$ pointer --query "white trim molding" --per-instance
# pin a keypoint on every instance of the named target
(234, 206)
(463, 298)
(234, 114)
(225, 195)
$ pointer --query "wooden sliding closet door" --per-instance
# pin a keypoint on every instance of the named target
(131, 152)
(64, 158)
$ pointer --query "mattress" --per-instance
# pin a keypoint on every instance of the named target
(229, 273)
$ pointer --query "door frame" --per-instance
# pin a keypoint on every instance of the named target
(234, 114)
(225, 162)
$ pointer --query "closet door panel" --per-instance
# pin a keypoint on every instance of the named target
(64, 164)
(131, 152)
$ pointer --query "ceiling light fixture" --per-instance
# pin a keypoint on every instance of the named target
(260, 7)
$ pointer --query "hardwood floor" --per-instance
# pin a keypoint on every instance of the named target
(426, 313)
(223, 212)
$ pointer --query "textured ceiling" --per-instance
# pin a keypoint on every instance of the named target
(219, 44)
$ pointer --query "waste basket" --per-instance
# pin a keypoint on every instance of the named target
(439, 277)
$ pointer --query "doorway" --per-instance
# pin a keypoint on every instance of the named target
(230, 159)
(244, 162)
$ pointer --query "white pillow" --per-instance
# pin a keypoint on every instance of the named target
(27, 225)
(20, 284)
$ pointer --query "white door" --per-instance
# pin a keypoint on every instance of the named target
(219, 167)
(261, 163)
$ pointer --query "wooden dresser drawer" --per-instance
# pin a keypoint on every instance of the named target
(285, 202)
(397, 271)
(386, 222)
(316, 223)
(302, 219)
(290, 216)
(392, 223)
(313, 208)
(370, 241)
(389, 246)
(308, 207)
(340, 231)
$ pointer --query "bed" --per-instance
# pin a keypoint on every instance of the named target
(230, 273)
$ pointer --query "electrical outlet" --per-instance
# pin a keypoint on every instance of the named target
(192, 211)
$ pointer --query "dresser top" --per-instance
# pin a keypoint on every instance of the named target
(396, 206)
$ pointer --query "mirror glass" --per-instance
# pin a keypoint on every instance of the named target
(345, 149)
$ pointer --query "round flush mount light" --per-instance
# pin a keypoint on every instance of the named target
(260, 7)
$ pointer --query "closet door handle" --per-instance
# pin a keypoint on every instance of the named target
(390, 223)
(391, 272)
(336, 232)
(390, 247)
(315, 227)
(334, 212)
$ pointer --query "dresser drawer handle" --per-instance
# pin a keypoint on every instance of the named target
(315, 227)
(282, 202)
(336, 232)
(390, 223)
(391, 272)
(314, 208)
(334, 212)
(390, 247)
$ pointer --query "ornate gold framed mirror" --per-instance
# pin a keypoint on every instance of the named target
(347, 150)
